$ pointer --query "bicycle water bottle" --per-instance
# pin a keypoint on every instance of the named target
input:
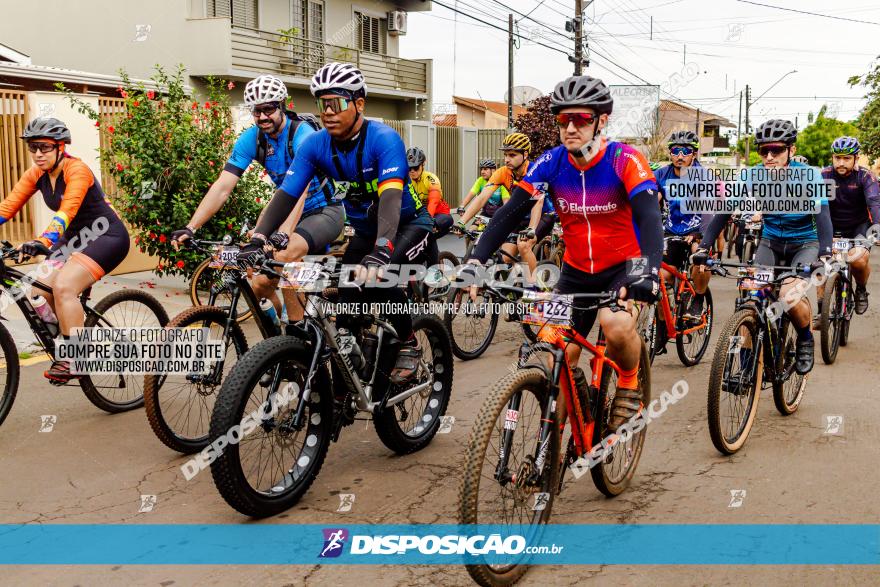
(44, 311)
(269, 310)
(348, 346)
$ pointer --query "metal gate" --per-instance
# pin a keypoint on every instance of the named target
(488, 144)
(14, 161)
(447, 149)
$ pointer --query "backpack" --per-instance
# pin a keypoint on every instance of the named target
(294, 120)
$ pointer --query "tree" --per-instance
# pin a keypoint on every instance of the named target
(164, 151)
(648, 127)
(868, 121)
(539, 124)
(814, 142)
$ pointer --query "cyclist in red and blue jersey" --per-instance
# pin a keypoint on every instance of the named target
(787, 239)
(684, 146)
(73, 193)
(606, 198)
(390, 226)
(273, 142)
(857, 194)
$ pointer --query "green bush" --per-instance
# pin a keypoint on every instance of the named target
(164, 153)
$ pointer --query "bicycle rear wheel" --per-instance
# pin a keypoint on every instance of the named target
(789, 391)
(521, 495)
(127, 308)
(616, 469)
(10, 372)
(831, 319)
(735, 382)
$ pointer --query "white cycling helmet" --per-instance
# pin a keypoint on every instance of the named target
(266, 88)
(339, 76)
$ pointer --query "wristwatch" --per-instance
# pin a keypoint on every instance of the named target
(384, 242)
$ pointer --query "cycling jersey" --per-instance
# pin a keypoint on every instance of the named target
(77, 200)
(278, 159)
(504, 177)
(677, 222)
(856, 194)
(593, 202)
(428, 191)
(498, 197)
(790, 227)
(372, 163)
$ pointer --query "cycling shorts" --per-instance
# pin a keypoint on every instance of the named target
(860, 230)
(575, 281)
(100, 255)
(678, 252)
(321, 227)
(772, 252)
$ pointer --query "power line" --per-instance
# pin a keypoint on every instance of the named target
(543, 24)
(810, 13)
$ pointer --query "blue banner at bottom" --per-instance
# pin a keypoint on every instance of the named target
(585, 544)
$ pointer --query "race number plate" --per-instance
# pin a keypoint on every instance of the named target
(548, 308)
(224, 257)
(349, 230)
(758, 279)
(298, 275)
(841, 245)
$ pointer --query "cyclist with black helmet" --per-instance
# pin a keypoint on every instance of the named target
(498, 197)
(787, 239)
(425, 186)
(684, 147)
(536, 223)
(856, 197)
(390, 226)
(606, 197)
(273, 142)
(73, 193)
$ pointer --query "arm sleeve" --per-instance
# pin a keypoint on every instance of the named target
(503, 223)
(20, 194)
(435, 196)
(714, 228)
(872, 197)
(646, 212)
(276, 212)
(78, 179)
(243, 152)
(389, 214)
(825, 230)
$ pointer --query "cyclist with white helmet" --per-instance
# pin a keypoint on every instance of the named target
(391, 227)
(273, 142)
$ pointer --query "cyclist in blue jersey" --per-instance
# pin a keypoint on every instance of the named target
(684, 146)
(857, 194)
(273, 141)
(390, 226)
(787, 239)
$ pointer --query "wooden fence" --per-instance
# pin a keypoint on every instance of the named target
(110, 110)
(14, 161)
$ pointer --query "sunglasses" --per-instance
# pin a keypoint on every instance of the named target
(773, 150)
(41, 147)
(268, 110)
(681, 151)
(578, 118)
(336, 105)
(414, 168)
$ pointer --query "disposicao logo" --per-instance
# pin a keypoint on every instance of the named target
(334, 540)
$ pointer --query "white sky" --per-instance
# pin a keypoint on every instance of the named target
(751, 45)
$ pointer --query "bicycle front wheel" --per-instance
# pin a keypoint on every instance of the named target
(10, 371)
(204, 278)
(127, 308)
(831, 319)
(789, 386)
(471, 325)
(735, 382)
(520, 493)
(691, 346)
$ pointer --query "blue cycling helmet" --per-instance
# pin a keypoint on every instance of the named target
(845, 146)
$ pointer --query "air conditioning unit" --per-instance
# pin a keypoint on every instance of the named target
(397, 22)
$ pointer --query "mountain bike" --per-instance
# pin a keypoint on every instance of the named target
(112, 393)
(691, 335)
(514, 465)
(754, 351)
(295, 393)
(838, 304)
(179, 406)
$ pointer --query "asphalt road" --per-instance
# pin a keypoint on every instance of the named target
(94, 467)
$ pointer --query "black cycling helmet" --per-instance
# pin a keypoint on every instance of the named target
(776, 131)
(684, 137)
(581, 90)
(415, 157)
(47, 128)
(488, 164)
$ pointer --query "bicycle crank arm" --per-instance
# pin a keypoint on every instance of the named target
(371, 407)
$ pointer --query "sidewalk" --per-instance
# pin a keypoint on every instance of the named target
(172, 293)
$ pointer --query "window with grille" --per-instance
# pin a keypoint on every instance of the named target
(371, 33)
(308, 19)
(243, 13)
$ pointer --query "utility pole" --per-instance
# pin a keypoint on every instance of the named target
(697, 130)
(510, 70)
(578, 36)
(748, 134)
(739, 127)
